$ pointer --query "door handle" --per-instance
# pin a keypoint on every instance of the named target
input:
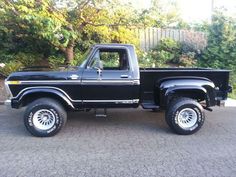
(124, 76)
(74, 77)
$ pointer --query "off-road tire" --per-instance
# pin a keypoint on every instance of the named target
(176, 108)
(44, 107)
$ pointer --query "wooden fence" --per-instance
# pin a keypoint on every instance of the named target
(150, 37)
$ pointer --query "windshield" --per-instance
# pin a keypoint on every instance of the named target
(85, 56)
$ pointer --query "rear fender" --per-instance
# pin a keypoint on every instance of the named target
(194, 92)
(196, 88)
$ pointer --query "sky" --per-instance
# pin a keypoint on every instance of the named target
(198, 10)
(195, 10)
(191, 11)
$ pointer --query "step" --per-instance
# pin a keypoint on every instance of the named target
(100, 112)
(149, 105)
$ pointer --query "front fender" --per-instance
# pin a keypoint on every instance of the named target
(32, 91)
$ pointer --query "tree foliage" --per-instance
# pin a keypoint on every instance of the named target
(161, 14)
(40, 24)
(221, 49)
(53, 29)
(169, 53)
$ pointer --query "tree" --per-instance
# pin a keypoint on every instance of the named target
(62, 29)
(162, 14)
(221, 49)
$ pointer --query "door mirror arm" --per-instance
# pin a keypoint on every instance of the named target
(99, 72)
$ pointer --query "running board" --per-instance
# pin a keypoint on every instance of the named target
(99, 113)
(149, 106)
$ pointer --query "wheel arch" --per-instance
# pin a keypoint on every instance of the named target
(29, 95)
(194, 92)
(201, 89)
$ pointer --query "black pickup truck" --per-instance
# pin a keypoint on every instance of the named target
(110, 77)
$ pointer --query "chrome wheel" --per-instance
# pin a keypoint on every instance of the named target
(187, 118)
(44, 119)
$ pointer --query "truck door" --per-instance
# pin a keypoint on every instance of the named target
(107, 80)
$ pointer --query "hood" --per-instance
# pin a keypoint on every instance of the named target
(30, 74)
(49, 75)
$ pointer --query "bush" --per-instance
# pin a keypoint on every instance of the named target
(169, 52)
(233, 94)
(10, 67)
(28, 59)
(165, 52)
(5, 57)
(149, 60)
(187, 59)
(14, 62)
(221, 51)
(55, 61)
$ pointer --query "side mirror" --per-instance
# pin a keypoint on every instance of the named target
(98, 65)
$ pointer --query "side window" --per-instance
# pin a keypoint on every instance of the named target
(110, 59)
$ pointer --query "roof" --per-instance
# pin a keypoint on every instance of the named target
(113, 45)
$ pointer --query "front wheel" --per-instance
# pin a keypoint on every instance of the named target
(44, 117)
(185, 116)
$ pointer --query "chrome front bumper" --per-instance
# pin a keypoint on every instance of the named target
(7, 103)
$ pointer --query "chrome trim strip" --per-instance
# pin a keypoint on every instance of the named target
(68, 99)
(69, 103)
(47, 81)
(112, 101)
(45, 87)
(85, 101)
(107, 82)
(134, 82)
(136, 100)
(137, 82)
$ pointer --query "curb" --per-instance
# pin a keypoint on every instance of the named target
(230, 103)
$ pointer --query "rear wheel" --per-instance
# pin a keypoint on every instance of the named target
(44, 117)
(185, 116)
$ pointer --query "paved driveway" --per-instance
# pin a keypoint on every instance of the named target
(127, 143)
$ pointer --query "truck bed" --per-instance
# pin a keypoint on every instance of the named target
(151, 76)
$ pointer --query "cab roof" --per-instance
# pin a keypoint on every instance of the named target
(113, 45)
